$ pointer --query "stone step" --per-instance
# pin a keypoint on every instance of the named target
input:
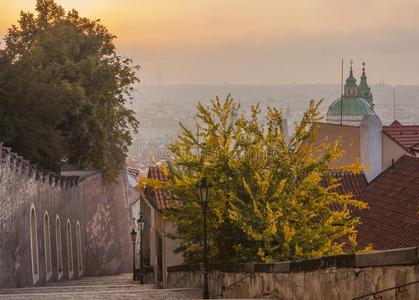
(107, 287)
(78, 288)
(139, 294)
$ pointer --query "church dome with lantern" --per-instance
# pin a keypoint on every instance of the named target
(355, 103)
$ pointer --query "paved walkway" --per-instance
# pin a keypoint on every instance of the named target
(108, 287)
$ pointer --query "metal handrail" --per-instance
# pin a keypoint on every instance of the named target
(375, 294)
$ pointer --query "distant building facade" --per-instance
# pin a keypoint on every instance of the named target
(406, 136)
(159, 245)
(355, 103)
(389, 183)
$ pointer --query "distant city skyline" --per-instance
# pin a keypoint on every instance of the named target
(255, 42)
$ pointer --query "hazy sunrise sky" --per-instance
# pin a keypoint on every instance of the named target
(256, 41)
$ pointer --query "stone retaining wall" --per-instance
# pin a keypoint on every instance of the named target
(101, 209)
(333, 277)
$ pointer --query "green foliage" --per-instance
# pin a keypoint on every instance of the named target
(267, 202)
(63, 91)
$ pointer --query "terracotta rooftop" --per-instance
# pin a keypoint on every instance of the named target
(350, 183)
(160, 199)
(133, 172)
(406, 135)
(393, 198)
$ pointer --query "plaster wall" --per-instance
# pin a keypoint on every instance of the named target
(352, 144)
(20, 188)
(169, 246)
(108, 224)
(391, 151)
(156, 226)
(150, 238)
(371, 146)
(350, 137)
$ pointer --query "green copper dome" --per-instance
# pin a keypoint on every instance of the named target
(356, 100)
(350, 107)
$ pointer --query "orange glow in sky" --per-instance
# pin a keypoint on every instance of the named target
(255, 41)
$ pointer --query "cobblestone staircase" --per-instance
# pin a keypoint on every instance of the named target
(108, 287)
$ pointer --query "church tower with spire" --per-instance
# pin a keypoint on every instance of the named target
(351, 88)
(364, 89)
(355, 103)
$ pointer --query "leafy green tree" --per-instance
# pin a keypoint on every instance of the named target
(63, 90)
(268, 202)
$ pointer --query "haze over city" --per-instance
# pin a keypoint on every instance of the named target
(209, 149)
(255, 42)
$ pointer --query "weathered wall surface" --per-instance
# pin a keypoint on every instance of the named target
(108, 224)
(101, 209)
(334, 277)
(170, 257)
(391, 151)
(350, 136)
(20, 187)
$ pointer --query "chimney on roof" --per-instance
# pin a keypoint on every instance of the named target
(371, 145)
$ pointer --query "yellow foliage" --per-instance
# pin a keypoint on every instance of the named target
(267, 201)
(289, 232)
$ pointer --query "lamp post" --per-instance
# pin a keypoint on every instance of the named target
(140, 223)
(204, 192)
(133, 239)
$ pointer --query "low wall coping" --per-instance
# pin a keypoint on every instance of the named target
(185, 268)
(403, 256)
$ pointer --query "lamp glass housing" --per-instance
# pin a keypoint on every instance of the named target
(204, 190)
(133, 235)
(140, 223)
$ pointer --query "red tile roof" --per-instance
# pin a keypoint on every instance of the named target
(162, 199)
(406, 135)
(415, 148)
(350, 183)
(133, 172)
(393, 198)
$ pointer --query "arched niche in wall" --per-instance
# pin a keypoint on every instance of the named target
(70, 260)
(79, 250)
(34, 245)
(47, 247)
(59, 247)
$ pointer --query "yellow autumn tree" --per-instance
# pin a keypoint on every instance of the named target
(268, 202)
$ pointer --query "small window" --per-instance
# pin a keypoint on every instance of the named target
(79, 250)
(47, 247)
(70, 251)
(59, 247)
(34, 245)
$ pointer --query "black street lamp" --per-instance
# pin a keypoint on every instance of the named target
(133, 239)
(140, 223)
(204, 193)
